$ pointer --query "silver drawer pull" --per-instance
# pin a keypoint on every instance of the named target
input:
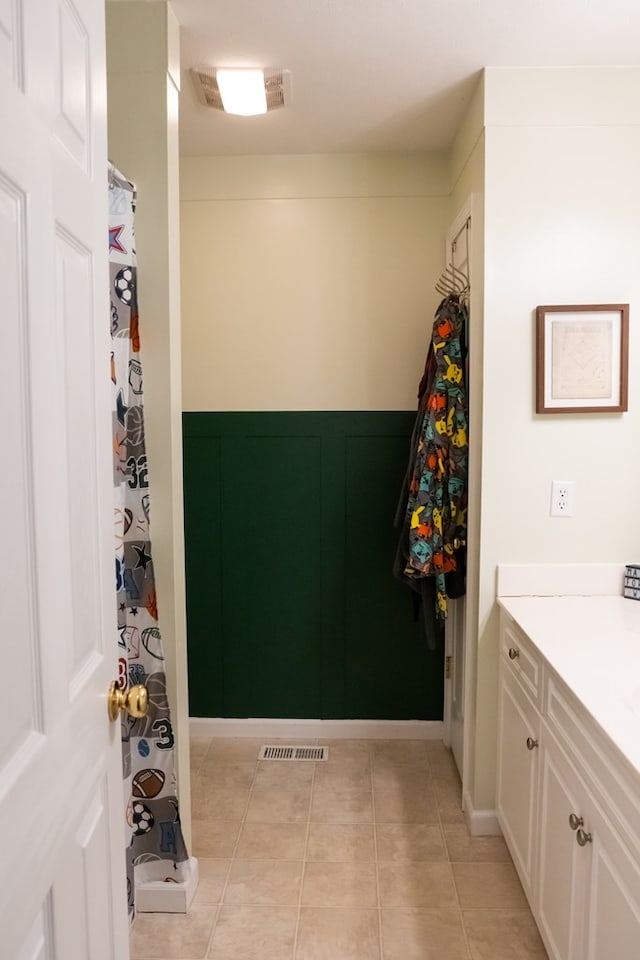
(583, 838)
(531, 743)
(513, 653)
(575, 821)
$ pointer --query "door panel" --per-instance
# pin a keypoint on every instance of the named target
(72, 125)
(564, 866)
(20, 708)
(10, 41)
(613, 911)
(517, 775)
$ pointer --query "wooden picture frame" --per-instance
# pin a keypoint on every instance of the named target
(582, 358)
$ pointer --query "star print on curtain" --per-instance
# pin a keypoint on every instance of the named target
(156, 849)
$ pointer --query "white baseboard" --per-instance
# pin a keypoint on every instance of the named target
(481, 823)
(316, 729)
(158, 896)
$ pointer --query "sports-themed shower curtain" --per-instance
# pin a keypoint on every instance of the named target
(156, 850)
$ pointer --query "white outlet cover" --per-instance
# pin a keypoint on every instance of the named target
(562, 498)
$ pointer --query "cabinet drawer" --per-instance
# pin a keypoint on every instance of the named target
(525, 662)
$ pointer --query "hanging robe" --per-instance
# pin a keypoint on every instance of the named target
(433, 505)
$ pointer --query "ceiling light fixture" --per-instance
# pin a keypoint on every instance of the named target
(272, 89)
(242, 91)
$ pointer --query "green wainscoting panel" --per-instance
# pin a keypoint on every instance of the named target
(292, 609)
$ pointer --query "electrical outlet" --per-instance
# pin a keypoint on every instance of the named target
(562, 496)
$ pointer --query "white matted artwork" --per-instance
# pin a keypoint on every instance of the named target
(582, 358)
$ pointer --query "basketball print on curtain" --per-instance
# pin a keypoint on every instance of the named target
(156, 850)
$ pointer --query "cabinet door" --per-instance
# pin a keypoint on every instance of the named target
(563, 866)
(518, 734)
(613, 898)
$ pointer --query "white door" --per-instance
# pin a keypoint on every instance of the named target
(62, 870)
(564, 866)
(613, 901)
(516, 787)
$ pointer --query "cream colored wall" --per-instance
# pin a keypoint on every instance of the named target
(562, 207)
(308, 280)
(143, 86)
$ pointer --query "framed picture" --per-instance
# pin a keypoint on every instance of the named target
(582, 358)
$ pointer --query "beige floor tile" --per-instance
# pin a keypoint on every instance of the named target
(399, 752)
(264, 883)
(340, 841)
(441, 761)
(405, 805)
(214, 773)
(418, 934)
(503, 935)
(349, 804)
(462, 846)
(340, 885)
(272, 841)
(172, 936)
(279, 804)
(334, 934)
(235, 748)
(410, 841)
(416, 885)
(212, 802)
(254, 933)
(276, 773)
(486, 886)
(198, 748)
(214, 838)
(213, 876)
(449, 798)
(354, 753)
(393, 776)
(343, 776)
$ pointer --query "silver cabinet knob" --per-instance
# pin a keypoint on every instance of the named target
(575, 821)
(514, 653)
(531, 743)
(583, 838)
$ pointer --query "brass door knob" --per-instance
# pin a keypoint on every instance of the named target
(133, 700)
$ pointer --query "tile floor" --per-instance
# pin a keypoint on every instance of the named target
(364, 857)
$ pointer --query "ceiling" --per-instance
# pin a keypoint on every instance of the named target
(381, 75)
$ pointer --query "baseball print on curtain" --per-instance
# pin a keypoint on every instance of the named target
(156, 849)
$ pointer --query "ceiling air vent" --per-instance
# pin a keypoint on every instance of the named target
(277, 84)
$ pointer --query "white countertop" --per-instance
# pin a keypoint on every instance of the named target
(593, 644)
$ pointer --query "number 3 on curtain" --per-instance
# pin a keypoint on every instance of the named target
(137, 473)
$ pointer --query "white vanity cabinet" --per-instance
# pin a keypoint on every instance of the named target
(568, 807)
(518, 738)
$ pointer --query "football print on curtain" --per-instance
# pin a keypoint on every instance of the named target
(156, 850)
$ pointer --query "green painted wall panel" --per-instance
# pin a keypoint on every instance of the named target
(388, 667)
(272, 576)
(292, 608)
(204, 559)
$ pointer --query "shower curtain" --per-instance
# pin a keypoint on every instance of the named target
(156, 849)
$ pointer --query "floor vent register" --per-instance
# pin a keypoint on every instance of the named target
(280, 752)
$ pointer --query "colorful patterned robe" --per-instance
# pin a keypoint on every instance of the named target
(435, 518)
